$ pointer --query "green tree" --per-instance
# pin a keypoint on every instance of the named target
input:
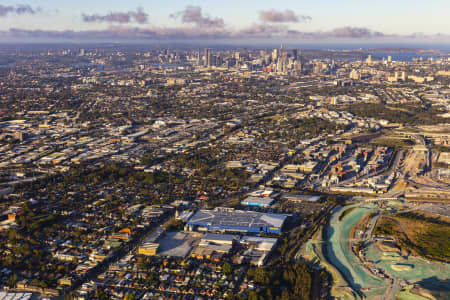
(261, 276)
(226, 268)
(129, 296)
(12, 281)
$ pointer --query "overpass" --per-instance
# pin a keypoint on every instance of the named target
(386, 197)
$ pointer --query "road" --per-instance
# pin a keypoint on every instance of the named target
(308, 234)
(117, 255)
(392, 168)
(129, 247)
(394, 287)
(445, 187)
(392, 290)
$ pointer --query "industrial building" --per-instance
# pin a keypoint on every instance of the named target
(230, 220)
(262, 193)
(15, 296)
(300, 198)
(220, 238)
(214, 246)
(258, 201)
(151, 245)
(258, 249)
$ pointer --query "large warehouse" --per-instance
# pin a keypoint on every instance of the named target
(258, 201)
(228, 219)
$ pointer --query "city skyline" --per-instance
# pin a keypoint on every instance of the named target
(224, 150)
(286, 21)
(160, 172)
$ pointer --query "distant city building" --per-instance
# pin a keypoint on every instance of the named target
(206, 56)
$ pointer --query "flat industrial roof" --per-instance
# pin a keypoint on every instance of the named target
(15, 296)
(219, 237)
(237, 218)
(308, 198)
(263, 243)
(258, 239)
(258, 200)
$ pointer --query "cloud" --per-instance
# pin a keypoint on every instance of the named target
(287, 16)
(138, 16)
(279, 30)
(262, 30)
(163, 32)
(194, 15)
(19, 9)
(118, 33)
(268, 32)
(354, 32)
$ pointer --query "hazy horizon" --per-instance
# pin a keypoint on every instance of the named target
(288, 21)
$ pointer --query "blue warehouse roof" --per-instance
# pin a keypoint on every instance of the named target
(228, 218)
(257, 201)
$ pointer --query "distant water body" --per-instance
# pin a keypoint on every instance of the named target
(385, 50)
(359, 46)
(7, 65)
(405, 56)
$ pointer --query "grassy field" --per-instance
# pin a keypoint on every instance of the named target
(422, 235)
(393, 142)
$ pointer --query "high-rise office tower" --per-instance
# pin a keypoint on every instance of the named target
(210, 59)
(207, 52)
(199, 57)
(274, 54)
(299, 66)
(403, 76)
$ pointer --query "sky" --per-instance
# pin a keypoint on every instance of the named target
(230, 20)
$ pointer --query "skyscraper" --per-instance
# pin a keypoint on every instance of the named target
(207, 53)
(274, 55)
(209, 59)
(403, 76)
(199, 57)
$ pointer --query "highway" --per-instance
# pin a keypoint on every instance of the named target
(442, 187)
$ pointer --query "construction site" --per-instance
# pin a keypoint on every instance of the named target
(364, 265)
(423, 175)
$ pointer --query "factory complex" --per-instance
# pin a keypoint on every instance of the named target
(231, 220)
